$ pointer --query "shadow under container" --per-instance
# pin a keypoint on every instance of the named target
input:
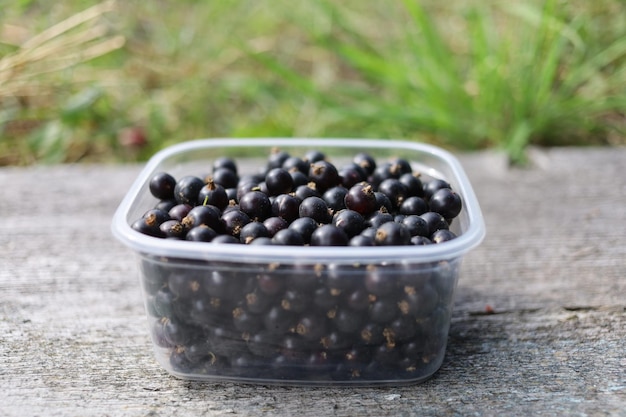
(298, 315)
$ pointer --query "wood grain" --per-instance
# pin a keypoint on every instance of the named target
(539, 325)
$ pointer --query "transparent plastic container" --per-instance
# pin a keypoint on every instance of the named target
(298, 315)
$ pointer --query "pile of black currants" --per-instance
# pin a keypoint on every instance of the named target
(304, 201)
(306, 321)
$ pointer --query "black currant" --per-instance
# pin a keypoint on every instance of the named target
(361, 198)
(225, 177)
(256, 205)
(162, 186)
(350, 221)
(442, 235)
(199, 215)
(305, 226)
(434, 185)
(324, 175)
(435, 221)
(417, 225)
(288, 237)
(329, 235)
(213, 194)
(225, 162)
(173, 229)
(278, 181)
(252, 231)
(315, 208)
(392, 233)
(394, 190)
(187, 188)
(286, 206)
(413, 205)
(202, 233)
(365, 161)
(274, 224)
(445, 202)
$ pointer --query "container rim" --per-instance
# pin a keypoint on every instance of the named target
(147, 245)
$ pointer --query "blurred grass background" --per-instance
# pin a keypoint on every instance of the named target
(116, 81)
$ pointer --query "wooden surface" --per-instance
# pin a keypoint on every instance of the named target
(73, 337)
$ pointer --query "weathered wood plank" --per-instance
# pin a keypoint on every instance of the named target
(73, 339)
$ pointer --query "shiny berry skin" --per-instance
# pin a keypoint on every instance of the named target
(288, 237)
(361, 198)
(233, 221)
(202, 233)
(148, 226)
(294, 163)
(213, 194)
(383, 172)
(307, 190)
(394, 190)
(417, 225)
(275, 224)
(351, 175)
(173, 229)
(442, 235)
(305, 226)
(362, 240)
(432, 186)
(165, 205)
(365, 161)
(401, 166)
(208, 215)
(162, 186)
(379, 218)
(299, 178)
(256, 205)
(334, 197)
(158, 215)
(413, 184)
(324, 175)
(187, 188)
(179, 211)
(286, 206)
(435, 221)
(329, 235)
(314, 155)
(420, 240)
(278, 181)
(391, 234)
(383, 202)
(446, 202)
(276, 159)
(315, 208)
(252, 231)
(224, 177)
(350, 221)
(413, 205)
(225, 162)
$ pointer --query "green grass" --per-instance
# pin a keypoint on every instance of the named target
(465, 75)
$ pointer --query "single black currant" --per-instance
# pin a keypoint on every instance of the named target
(256, 205)
(445, 202)
(329, 235)
(315, 208)
(162, 186)
(391, 234)
(361, 198)
(187, 188)
(278, 181)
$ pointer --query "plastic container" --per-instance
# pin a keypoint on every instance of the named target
(298, 315)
